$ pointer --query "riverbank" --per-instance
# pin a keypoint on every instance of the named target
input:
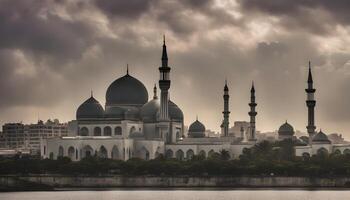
(60, 182)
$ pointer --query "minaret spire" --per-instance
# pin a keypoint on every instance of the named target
(252, 113)
(226, 112)
(310, 103)
(164, 54)
(155, 92)
(309, 78)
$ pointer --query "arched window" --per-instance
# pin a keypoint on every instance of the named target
(71, 152)
(306, 156)
(76, 154)
(102, 153)
(347, 151)
(60, 151)
(169, 153)
(118, 130)
(132, 129)
(87, 151)
(322, 151)
(202, 154)
(211, 153)
(337, 152)
(115, 153)
(107, 131)
(144, 154)
(84, 131)
(189, 154)
(180, 155)
(97, 131)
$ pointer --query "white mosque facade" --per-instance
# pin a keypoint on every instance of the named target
(131, 126)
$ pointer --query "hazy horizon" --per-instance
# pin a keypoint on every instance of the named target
(53, 53)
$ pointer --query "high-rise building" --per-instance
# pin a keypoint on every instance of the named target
(28, 136)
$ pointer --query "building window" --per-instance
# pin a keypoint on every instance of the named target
(118, 130)
(133, 129)
(97, 131)
(84, 131)
(60, 151)
(107, 131)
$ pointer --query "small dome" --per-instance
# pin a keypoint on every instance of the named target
(115, 112)
(126, 90)
(91, 108)
(175, 112)
(196, 130)
(286, 129)
(321, 137)
(150, 111)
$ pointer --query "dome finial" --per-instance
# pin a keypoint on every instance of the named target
(196, 117)
(92, 93)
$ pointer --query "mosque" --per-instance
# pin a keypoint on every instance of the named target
(130, 125)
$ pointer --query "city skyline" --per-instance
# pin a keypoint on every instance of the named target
(53, 68)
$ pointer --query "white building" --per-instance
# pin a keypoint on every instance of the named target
(19, 136)
(130, 125)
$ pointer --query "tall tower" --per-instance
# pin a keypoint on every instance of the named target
(164, 85)
(310, 103)
(252, 113)
(226, 112)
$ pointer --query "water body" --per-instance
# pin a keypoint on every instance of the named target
(180, 195)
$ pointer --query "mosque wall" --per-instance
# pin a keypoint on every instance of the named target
(78, 148)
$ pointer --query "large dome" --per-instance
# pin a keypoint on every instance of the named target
(126, 90)
(286, 129)
(196, 129)
(91, 108)
(150, 111)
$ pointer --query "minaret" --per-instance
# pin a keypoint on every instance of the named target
(252, 113)
(310, 103)
(164, 125)
(226, 112)
(164, 85)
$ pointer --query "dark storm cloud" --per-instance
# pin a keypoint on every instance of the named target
(318, 16)
(52, 52)
(28, 25)
(127, 9)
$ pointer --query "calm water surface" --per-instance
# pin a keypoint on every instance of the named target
(179, 195)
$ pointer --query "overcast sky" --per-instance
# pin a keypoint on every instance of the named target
(52, 53)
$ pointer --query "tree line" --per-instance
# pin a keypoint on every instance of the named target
(265, 158)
